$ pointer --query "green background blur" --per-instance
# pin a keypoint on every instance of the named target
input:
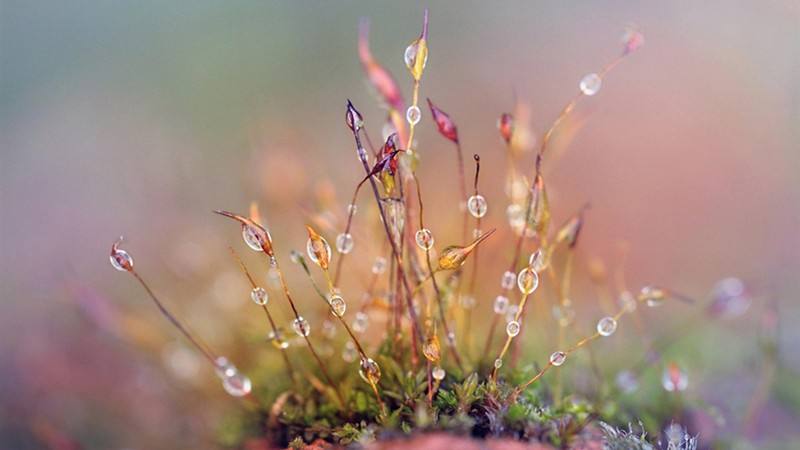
(141, 117)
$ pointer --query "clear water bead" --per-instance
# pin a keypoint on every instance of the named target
(558, 358)
(538, 260)
(590, 84)
(344, 243)
(379, 266)
(527, 280)
(500, 304)
(512, 328)
(352, 209)
(413, 114)
(507, 282)
(606, 326)
(224, 368)
(312, 248)
(237, 385)
(259, 296)
(251, 237)
(424, 239)
(338, 305)
(301, 326)
(277, 340)
(477, 206)
(498, 363)
(121, 260)
(370, 371)
(438, 373)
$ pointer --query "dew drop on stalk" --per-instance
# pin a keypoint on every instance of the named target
(507, 282)
(344, 243)
(413, 114)
(224, 368)
(352, 209)
(338, 305)
(301, 326)
(349, 352)
(379, 266)
(370, 371)
(538, 260)
(498, 363)
(512, 328)
(237, 385)
(424, 239)
(477, 206)
(438, 373)
(606, 326)
(558, 358)
(500, 304)
(259, 296)
(318, 249)
(590, 84)
(119, 258)
(251, 237)
(527, 280)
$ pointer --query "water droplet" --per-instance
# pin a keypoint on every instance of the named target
(360, 323)
(370, 371)
(251, 237)
(352, 209)
(338, 305)
(224, 368)
(516, 216)
(415, 57)
(538, 260)
(379, 266)
(318, 249)
(498, 363)
(438, 373)
(349, 353)
(500, 304)
(424, 239)
(507, 282)
(477, 206)
(413, 114)
(344, 243)
(121, 260)
(652, 295)
(527, 280)
(451, 338)
(301, 326)
(590, 84)
(237, 385)
(674, 378)
(512, 328)
(606, 326)
(259, 296)
(627, 382)
(558, 358)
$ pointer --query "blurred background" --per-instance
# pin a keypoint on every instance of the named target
(139, 118)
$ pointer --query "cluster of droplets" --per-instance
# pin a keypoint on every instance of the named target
(234, 382)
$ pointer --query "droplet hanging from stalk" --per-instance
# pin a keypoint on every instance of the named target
(416, 54)
(120, 259)
(318, 249)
